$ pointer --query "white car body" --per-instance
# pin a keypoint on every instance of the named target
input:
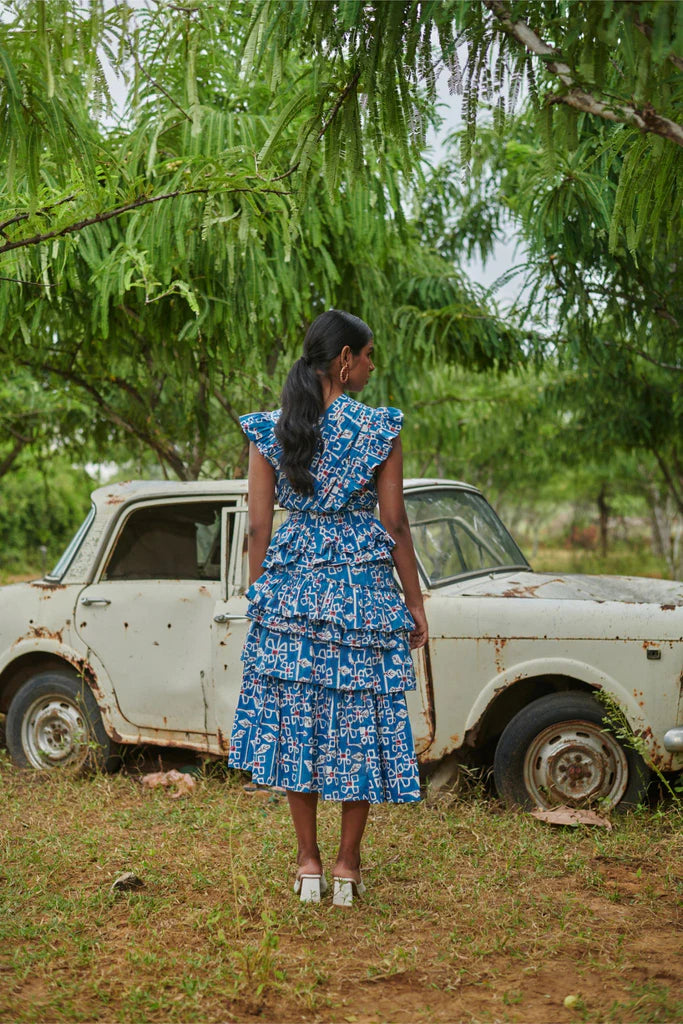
(162, 656)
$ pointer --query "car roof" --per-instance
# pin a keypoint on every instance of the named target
(131, 490)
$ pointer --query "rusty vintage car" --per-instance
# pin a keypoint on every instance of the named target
(135, 637)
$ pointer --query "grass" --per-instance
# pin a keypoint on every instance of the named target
(19, 572)
(472, 914)
(622, 559)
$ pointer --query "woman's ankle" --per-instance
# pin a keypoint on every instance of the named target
(347, 865)
(309, 861)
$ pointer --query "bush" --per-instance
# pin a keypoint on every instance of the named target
(40, 508)
(583, 537)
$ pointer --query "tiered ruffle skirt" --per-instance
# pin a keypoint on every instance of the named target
(327, 665)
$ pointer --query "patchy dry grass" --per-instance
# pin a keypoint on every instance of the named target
(623, 559)
(472, 913)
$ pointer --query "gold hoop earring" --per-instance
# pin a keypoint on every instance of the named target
(344, 374)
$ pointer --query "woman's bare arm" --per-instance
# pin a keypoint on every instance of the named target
(394, 518)
(261, 500)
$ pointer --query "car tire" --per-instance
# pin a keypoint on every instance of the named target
(557, 750)
(53, 723)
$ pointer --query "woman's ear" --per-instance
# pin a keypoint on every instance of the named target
(345, 355)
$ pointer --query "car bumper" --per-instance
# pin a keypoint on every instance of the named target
(673, 740)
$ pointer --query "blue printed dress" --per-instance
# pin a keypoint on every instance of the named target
(327, 660)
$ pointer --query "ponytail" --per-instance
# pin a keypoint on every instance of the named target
(298, 428)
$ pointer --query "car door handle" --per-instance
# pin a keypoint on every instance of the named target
(227, 617)
(94, 600)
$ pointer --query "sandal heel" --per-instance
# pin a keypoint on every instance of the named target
(309, 888)
(343, 892)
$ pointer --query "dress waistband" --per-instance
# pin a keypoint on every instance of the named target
(325, 514)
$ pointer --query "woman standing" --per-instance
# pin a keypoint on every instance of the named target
(327, 662)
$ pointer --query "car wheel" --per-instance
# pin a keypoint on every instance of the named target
(556, 751)
(53, 722)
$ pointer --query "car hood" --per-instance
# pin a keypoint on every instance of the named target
(667, 594)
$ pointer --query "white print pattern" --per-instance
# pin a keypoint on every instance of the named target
(327, 659)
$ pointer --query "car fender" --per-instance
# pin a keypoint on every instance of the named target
(543, 667)
(52, 646)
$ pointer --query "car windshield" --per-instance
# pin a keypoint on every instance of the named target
(74, 544)
(457, 533)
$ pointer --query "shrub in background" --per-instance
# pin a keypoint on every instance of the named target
(40, 509)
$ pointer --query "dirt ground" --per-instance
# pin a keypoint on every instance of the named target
(472, 913)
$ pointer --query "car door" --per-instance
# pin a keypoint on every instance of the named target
(147, 616)
(229, 625)
(420, 702)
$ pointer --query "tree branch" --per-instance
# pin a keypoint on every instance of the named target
(99, 218)
(671, 483)
(18, 280)
(644, 355)
(339, 102)
(225, 404)
(647, 32)
(646, 118)
(153, 80)
(162, 448)
(43, 212)
(11, 457)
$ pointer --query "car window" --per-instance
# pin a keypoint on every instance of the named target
(73, 546)
(169, 541)
(457, 533)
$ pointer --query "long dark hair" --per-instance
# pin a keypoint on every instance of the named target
(298, 428)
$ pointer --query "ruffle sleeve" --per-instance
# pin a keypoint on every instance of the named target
(259, 427)
(387, 423)
(363, 441)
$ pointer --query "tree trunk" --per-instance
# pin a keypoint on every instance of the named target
(604, 511)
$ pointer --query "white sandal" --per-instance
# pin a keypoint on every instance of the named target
(344, 891)
(309, 888)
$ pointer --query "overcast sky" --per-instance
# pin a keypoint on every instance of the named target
(504, 255)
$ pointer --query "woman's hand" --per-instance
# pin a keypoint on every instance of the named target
(419, 635)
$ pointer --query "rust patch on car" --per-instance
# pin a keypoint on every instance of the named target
(529, 591)
(668, 607)
(40, 633)
(499, 643)
(222, 742)
(660, 760)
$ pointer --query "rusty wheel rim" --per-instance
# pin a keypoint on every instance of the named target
(575, 763)
(54, 734)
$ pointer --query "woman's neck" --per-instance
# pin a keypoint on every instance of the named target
(331, 392)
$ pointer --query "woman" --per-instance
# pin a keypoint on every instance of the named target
(327, 658)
